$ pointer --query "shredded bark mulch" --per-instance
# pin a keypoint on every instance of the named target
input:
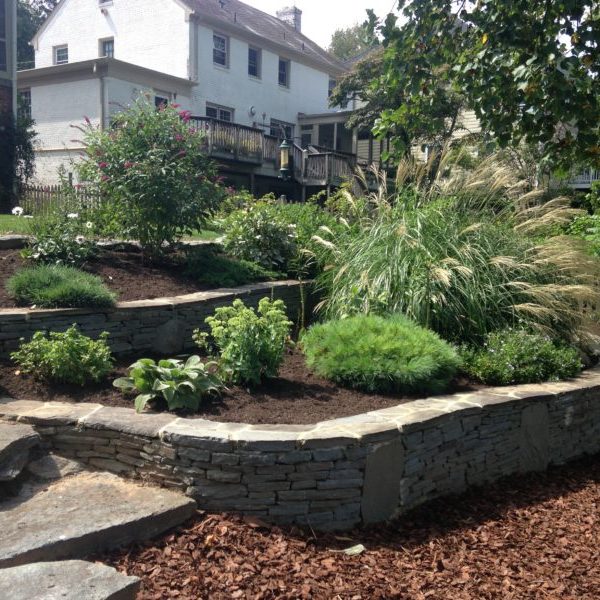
(531, 536)
(124, 272)
(297, 396)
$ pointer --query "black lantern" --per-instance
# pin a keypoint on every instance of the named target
(285, 172)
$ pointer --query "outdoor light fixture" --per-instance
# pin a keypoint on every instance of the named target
(286, 159)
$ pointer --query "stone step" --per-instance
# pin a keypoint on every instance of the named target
(84, 514)
(16, 443)
(67, 580)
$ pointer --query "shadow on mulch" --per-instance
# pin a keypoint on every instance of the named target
(527, 536)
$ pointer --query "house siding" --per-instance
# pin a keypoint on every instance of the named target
(149, 33)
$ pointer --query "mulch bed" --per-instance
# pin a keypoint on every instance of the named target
(124, 272)
(531, 536)
(297, 396)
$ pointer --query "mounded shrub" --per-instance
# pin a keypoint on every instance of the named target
(67, 357)
(516, 356)
(380, 354)
(56, 286)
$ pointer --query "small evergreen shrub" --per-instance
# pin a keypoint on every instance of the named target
(179, 385)
(516, 356)
(55, 286)
(212, 268)
(251, 343)
(68, 357)
(380, 354)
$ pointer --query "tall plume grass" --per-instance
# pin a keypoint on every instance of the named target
(463, 253)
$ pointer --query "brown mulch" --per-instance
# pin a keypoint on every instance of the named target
(297, 396)
(531, 536)
(124, 272)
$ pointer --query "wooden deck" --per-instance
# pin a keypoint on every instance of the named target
(246, 145)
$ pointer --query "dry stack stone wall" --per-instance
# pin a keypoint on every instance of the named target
(339, 473)
(162, 325)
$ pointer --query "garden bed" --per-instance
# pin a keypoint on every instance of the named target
(297, 396)
(124, 272)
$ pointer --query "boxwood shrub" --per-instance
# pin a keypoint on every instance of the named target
(56, 286)
(380, 354)
(516, 356)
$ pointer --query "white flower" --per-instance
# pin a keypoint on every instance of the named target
(89, 224)
(17, 211)
(80, 239)
(73, 215)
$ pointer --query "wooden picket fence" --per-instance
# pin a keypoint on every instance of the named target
(40, 200)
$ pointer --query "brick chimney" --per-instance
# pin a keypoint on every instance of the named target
(291, 15)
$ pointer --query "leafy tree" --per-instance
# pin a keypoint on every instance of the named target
(530, 70)
(28, 22)
(352, 41)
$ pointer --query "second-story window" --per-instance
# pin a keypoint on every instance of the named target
(3, 60)
(220, 50)
(254, 62)
(222, 113)
(107, 48)
(284, 72)
(61, 55)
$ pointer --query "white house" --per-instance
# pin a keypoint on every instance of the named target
(221, 59)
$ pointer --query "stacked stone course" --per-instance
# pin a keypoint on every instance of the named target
(334, 474)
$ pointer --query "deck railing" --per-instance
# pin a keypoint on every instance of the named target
(585, 179)
(230, 141)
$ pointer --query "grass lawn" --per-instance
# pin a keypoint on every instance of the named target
(13, 224)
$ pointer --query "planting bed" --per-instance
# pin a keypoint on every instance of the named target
(297, 396)
(123, 272)
(532, 536)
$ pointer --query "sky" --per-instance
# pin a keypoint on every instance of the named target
(320, 18)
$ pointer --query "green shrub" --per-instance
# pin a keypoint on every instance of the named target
(380, 354)
(258, 234)
(207, 266)
(251, 343)
(55, 286)
(587, 227)
(68, 357)
(152, 168)
(279, 236)
(60, 238)
(516, 356)
(180, 385)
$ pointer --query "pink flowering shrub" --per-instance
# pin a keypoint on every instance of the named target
(151, 168)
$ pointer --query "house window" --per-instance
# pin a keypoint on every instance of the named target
(160, 101)
(281, 129)
(61, 55)
(220, 50)
(222, 113)
(306, 140)
(3, 61)
(107, 48)
(254, 62)
(284, 72)
(332, 84)
(24, 104)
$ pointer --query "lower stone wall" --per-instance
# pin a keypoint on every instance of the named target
(340, 473)
(162, 325)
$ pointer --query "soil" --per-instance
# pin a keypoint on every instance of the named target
(124, 272)
(532, 536)
(297, 396)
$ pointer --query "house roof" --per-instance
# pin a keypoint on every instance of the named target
(239, 16)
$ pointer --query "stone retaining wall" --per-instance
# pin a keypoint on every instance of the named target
(162, 325)
(338, 473)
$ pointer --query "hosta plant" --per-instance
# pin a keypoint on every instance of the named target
(181, 385)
